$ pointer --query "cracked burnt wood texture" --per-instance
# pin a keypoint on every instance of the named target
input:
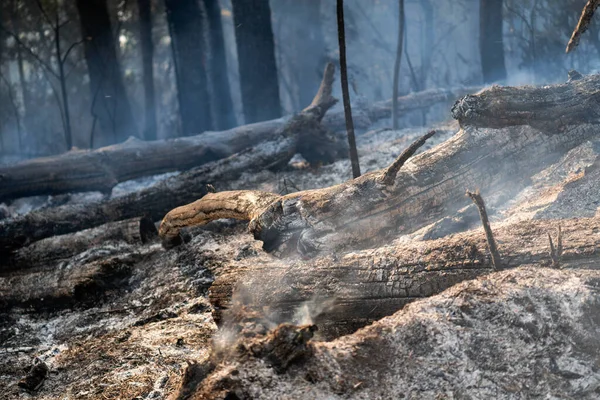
(525, 333)
(101, 169)
(344, 292)
(508, 134)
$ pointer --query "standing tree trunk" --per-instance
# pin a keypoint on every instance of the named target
(222, 106)
(397, 64)
(186, 26)
(256, 59)
(345, 91)
(491, 45)
(145, 10)
(111, 106)
(306, 51)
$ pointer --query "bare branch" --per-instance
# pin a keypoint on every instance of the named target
(584, 22)
(390, 173)
(492, 247)
(45, 65)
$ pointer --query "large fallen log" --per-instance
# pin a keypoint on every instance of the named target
(528, 332)
(46, 253)
(341, 293)
(300, 132)
(101, 169)
(429, 186)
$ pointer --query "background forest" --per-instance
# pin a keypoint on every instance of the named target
(90, 73)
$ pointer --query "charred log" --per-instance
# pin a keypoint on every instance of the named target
(300, 132)
(343, 293)
(101, 169)
(47, 252)
(431, 185)
(502, 329)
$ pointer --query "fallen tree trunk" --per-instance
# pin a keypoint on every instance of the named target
(343, 293)
(101, 169)
(519, 333)
(432, 185)
(303, 131)
(47, 252)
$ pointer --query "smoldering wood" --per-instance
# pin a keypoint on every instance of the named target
(101, 169)
(154, 202)
(505, 326)
(584, 22)
(47, 252)
(431, 185)
(345, 292)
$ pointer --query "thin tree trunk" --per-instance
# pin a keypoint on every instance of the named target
(63, 89)
(222, 105)
(397, 64)
(147, 47)
(112, 106)
(256, 59)
(491, 45)
(345, 92)
(188, 43)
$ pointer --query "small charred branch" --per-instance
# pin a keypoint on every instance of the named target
(556, 252)
(35, 377)
(584, 22)
(46, 252)
(390, 173)
(489, 236)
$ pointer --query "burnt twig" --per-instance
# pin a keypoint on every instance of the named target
(493, 248)
(390, 173)
(556, 252)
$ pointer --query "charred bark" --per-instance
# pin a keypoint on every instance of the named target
(431, 185)
(47, 252)
(341, 293)
(584, 22)
(101, 169)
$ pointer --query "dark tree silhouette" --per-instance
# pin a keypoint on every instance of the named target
(147, 47)
(345, 92)
(491, 45)
(110, 104)
(395, 84)
(256, 59)
(308, 56)
(187, 28)
(222, 105)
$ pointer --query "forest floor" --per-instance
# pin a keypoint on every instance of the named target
(134, 341)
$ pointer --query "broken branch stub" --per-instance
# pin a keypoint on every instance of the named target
(489, 236)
